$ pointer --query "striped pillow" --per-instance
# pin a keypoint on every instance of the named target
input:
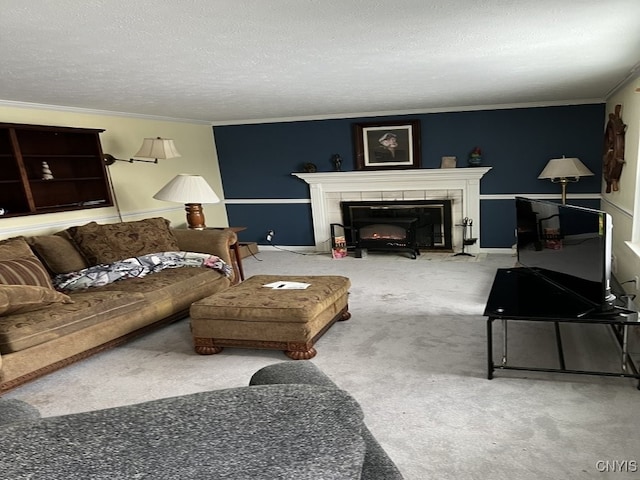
(24, 271)
(27, 298)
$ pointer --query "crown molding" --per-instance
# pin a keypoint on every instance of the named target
(336, 116)
(420, 111)
(90, 111)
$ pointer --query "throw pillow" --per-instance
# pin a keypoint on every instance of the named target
(24, 271)
(15, 247)
(27, 298)
(112, 242)
(58, 253)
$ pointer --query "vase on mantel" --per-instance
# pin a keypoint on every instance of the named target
(475, 157)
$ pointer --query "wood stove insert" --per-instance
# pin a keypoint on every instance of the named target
(408, 225)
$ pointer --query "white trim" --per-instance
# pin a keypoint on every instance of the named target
(624, 211)
(337, 116)
(505, 251)
(633, 73)
(489, 196)
(252, 201)
(311, 249)
(416, 111)
(60, 225)
(390, 180)
(634, 247)
(149, 212)
(294, 248)
(541, 196)
(103, 218)
(91, 111)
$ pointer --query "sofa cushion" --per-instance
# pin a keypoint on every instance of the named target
(58, 253)
(377, 464)
(23, 330)
(14, 248)
(174, 289)
(260, 433)
(27, 298)
(24, 271)
(111, 242)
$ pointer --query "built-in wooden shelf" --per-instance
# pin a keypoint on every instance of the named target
(75, 158)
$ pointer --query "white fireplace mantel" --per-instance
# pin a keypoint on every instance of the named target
(327, 189)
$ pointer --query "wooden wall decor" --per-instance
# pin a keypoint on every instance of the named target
(613, 158)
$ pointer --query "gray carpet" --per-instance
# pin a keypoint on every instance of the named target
(413, 354)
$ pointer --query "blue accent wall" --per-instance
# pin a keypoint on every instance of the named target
(292, 223)
(256, 161)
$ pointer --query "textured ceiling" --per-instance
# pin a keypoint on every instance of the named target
(225, 61)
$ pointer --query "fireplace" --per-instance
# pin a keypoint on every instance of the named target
(408, 225)
(460, 186)
(397, 234)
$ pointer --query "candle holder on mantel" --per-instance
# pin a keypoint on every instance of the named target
(467, 236)
(336, 159)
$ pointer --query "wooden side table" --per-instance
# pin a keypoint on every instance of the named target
(235, 249)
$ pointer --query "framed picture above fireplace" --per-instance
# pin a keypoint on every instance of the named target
(387, 145)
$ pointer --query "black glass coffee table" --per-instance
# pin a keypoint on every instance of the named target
(518, 294)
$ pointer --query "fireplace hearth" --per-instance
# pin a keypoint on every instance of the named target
(407, 225)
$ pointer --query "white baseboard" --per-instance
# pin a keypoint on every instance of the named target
(311, 248)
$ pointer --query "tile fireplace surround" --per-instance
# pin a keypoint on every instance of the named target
(460, 185)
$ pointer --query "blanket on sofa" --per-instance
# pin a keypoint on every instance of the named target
(137, 267)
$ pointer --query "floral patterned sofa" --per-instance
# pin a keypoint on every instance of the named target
(43, 328)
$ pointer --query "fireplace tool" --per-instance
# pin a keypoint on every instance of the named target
(467, 236)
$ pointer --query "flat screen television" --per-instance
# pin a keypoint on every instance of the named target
(569, 246)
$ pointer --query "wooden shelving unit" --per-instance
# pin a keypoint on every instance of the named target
(75, 158)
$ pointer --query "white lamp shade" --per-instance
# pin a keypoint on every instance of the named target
(565, 168)
(185, 188)
(159, 148)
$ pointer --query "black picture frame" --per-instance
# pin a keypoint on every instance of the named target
(374, 145)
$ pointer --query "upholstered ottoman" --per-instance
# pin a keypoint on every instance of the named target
(253, 316)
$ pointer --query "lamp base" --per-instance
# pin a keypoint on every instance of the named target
(564, 191)
(195, 216)
(563, 181)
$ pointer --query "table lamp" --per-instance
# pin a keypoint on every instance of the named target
(193, 191)
(564, 170)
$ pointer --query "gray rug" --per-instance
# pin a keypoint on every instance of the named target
(413, 354)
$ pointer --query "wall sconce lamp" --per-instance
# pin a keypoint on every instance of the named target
(152, 149)
(193, 191)
(563, 171)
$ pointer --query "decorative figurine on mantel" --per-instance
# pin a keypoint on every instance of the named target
(46, 172)
(475, 157)
(337, 162)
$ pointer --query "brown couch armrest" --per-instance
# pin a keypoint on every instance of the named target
(212, 241)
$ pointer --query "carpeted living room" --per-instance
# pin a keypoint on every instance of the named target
(413, 355)
(301, 239)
